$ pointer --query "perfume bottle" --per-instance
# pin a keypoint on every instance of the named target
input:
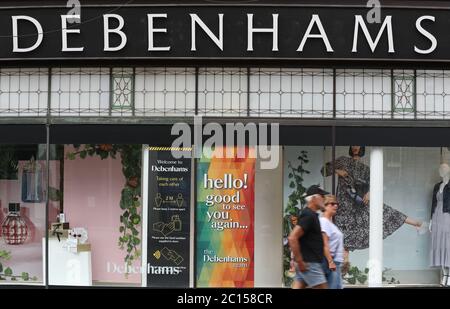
(14, 228)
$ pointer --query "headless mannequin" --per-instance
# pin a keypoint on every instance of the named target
(444, 172)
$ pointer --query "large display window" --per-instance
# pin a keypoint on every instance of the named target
(352, 169)
(414, 181)
(23, 191)
(407, 240)
(95, 233)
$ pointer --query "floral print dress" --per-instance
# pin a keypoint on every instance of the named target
(351, 218)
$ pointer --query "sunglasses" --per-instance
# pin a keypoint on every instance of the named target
(334, 204)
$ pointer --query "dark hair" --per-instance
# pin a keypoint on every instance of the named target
(362, 151)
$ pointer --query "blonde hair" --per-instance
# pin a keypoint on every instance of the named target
(330, 199)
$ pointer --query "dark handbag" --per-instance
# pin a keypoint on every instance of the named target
(357, 190)
(361, 187)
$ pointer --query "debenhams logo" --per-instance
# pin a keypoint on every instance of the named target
(115, 32)
(154, 270)
(224, 259)
(160, 168)
(164, 270)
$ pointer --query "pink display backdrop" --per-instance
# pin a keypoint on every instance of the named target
(92, 190)
(28, 256)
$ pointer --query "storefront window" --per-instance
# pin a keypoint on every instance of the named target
(95, 233)
(303, 166)
(413, 254)
(409, 176)
(23, 185)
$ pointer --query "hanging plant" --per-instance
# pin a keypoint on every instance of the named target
(7, 273)
(130, 200)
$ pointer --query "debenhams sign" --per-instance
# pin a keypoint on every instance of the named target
(224, 33)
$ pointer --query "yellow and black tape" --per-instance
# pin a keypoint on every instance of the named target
(152, 148)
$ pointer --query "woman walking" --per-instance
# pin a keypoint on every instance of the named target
(333, 241)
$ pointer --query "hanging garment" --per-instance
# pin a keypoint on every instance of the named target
(352, 217)
(32, 183)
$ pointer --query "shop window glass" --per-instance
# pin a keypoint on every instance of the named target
(413, 255)
(80, 92)
(95, 215)
(122, 100)
(23, 185)
(222, 92)
(404, 96)
(291, 93)
(164, 91)
(363, 93)
(303, 167)
(433, 94)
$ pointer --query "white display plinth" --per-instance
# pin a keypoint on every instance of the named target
(66, 268)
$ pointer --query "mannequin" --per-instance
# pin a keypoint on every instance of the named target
(439, 224)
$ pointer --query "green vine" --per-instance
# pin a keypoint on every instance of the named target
(130, 201)
(8, 272)
(356, 275)
(295, 203)
(296, 177)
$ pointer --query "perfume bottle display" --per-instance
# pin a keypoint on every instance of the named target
(14, 229)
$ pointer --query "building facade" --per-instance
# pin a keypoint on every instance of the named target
(89, 95)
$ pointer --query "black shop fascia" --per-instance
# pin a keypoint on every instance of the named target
(228, 32)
